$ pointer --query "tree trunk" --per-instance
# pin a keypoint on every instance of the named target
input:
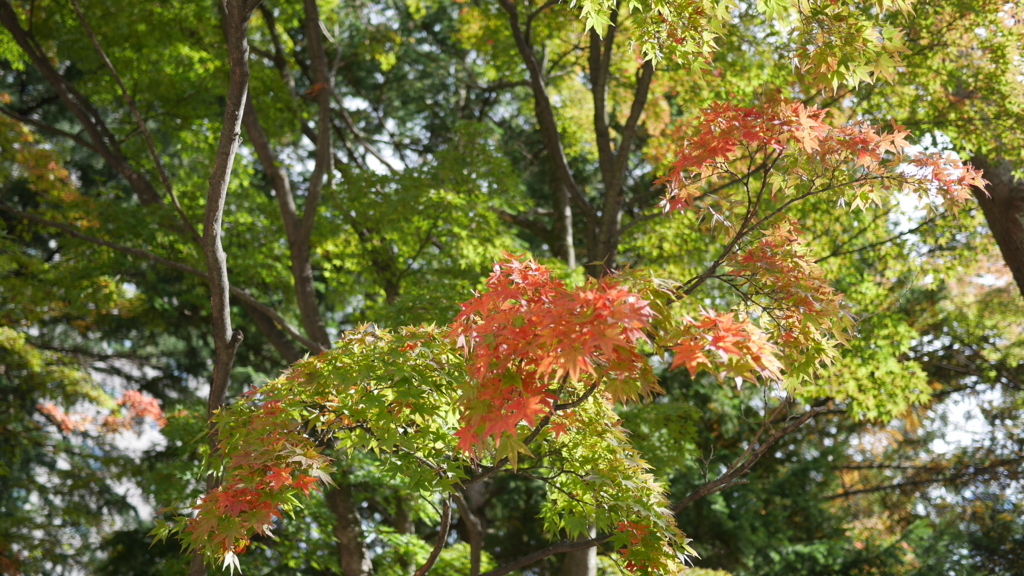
(562, 242)
(1003, 208)
(348, 531)
(473, 523)
(581, 562)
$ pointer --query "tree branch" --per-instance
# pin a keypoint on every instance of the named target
(558, 548)
(244, 297)
(43, 127)
(146, 136)
(543, 110)
(236, 18)
(442, 536)
(103, 141)
(301, 249)
(747, 460)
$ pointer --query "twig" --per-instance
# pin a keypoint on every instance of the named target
(559, 548)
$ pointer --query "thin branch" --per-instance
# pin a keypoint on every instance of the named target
(43, 127)
(278, 58)
(892, 238)
(442, 537)
(971, 472)
(745, 462)
(527, 223)
(500, 464)
(745, 228)
(579, 401)
(103, 142)
(543, 110)
(361, 138)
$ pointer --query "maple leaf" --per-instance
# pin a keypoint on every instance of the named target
(690, 354)
(233, 501)
(279, 477)
(305, 483)
(558, 429)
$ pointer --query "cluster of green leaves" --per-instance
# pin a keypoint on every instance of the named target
(835, 43)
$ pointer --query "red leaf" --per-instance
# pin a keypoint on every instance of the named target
(279, 477)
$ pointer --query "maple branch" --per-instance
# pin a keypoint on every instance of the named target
(139, 121)
(577, 402)
(225, 340)
(970, 472)
(810, 193)
(629, 131)
(528, 27)
(500, 464)
(274, 335)
(746, 461)
(236, 17)
(524, 221)
(279, 59)
(297, 228)
(927, 222)
(43, 127)
(689, 287)
(442, 536)
(361, 138)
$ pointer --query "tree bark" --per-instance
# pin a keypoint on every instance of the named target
(277, 338)
(581, 562)
(225, 340)
(471, 504)
(1003, 207)
(351, 548)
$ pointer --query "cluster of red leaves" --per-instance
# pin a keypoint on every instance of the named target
(60, 418)
(791, 287)
(528, 332)
(726, 132)
(139, 407)
(636, 532)
(953, 178)
(726, 345)
(259, 479)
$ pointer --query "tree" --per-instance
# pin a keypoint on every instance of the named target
(328, 137)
